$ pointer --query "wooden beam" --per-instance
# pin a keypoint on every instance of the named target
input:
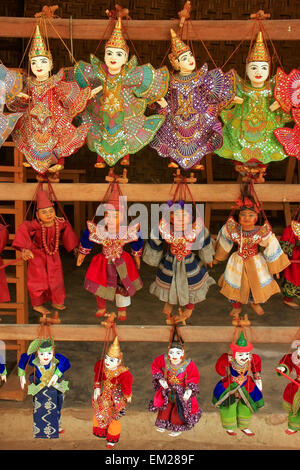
(151, 192)
(155, 30)
(149, 333)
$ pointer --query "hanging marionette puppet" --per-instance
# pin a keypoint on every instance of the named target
(194, 99)
(119, 126)
(175, 382)
(248, 277)
(286, 92)
(38, 240)
(45, 133)
(4, 237)
(239, 392)
(290, 244)
(10, 88)
(3, 371)
(112, 392)
(291, 395)
(182, 278)
(113, 274)
(248, 127)
(46, 386)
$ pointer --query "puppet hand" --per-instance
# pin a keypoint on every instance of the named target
(162, 103)
(129, 399)
(96, 90)
(258, 383)
(187, 394)
(3, 377)
(27, 254)
(22, 381)
(274, 106)
(137, 260)
(210, 264)
(163, 383)
(238, 100)
(53, 380)
(23, 95)
(97, 392)
(215, 261)
(277, 276)
(280, 368)
(80, 259)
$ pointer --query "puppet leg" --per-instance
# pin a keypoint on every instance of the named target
(122, 302)
(100, 162)
(97, 431)
(228, 415)
(113, 433)
(125, 161)
(293, 423)
(243, 418)
(101, 303)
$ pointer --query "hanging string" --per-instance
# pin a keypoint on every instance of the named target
(71, 39)
(109, 24)
(265, 32)
(203, 44)
(237, 47)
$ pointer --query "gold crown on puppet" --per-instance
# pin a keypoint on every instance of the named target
(178, 48)
(114, 349)
(38, 47)
(259, 52)
(116, 39)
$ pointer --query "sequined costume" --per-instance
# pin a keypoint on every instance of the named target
(4, 292)
(290, 245)
(112, 274)
(236, 395)
(181, 277)
(192, 129)
(10, 86)
(118, 124)
(291, 394)
(286, 92)
(249, 272)
(45, 133)
(175, 413)
(47, 401)
(110, 405)
(248, 127)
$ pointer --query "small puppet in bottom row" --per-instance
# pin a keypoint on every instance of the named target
(112, 392)
(46, 386)
(175, 382)
(291, 396)
(239, 392)
(3, 371)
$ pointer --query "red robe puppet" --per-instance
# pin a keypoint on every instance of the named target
(291, 395)
(45, 280)
(4, 292)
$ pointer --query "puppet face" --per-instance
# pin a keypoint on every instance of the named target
(41, 67)
(111, 362)
(186, 62)
(115, 58)
(112, 220)
(46, 216)
(247, 219)
(180, 219)
(45, 357)
(175, 355)
(258, 73)
(242, 357)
